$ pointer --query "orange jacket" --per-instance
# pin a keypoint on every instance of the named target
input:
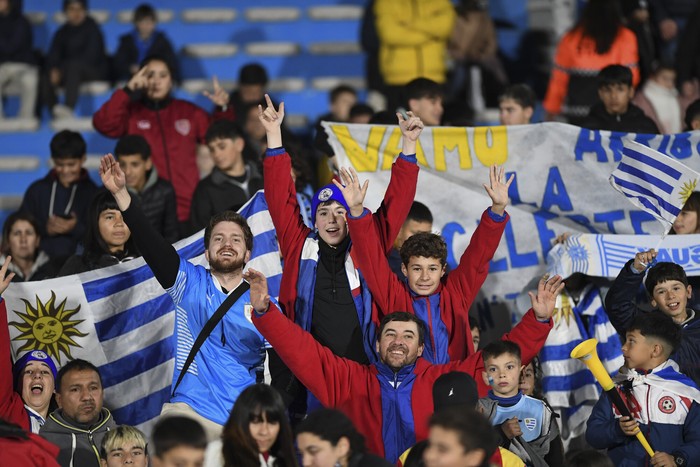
(576, 66)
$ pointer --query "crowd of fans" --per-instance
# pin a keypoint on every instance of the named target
(373, 357)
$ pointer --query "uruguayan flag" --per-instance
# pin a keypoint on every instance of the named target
(122, 320)
(653, 181)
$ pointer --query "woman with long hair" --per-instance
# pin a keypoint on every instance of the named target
(597, 40)
(327, 438)
(107, 238)
(258, 433)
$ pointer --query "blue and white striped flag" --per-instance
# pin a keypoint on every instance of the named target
(121, 319)
(653, 181)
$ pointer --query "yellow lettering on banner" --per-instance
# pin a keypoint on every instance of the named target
(392, 148)
(491, 144)
(362, 160)
(447, 139)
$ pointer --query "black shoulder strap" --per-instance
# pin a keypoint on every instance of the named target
(209, 327)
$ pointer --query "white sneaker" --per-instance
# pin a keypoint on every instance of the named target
(61, 111)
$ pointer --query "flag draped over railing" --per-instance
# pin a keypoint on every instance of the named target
(122, 320)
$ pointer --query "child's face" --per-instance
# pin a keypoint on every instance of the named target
(145, 27)
(423, 274)
(429, 109)
(159, 80)
(616, 97)
(68, 169)
(135, 169)
(445, 449)
(226, 153)
(503, 374)
(665, 78)
(129, 453)
(331, 224)
(180, 456)
(671, 297)
(340, 108)
(113, 229)
(527, 380)
(686, 223)
(637, 350)
(264, 432)
(512, 113)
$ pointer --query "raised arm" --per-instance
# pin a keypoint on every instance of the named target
(620, 301)
(402, 186)
(280, 192)
(328, 377)
(160, 255)
(112, 119)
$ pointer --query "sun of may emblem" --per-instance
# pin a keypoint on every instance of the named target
(688, 188)
(48, 327)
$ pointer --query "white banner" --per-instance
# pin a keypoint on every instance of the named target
(561, 185)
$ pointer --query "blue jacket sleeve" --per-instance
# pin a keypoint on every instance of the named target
(602, 430)
(690, 449)
(620, 300)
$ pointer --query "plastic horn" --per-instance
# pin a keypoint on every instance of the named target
(586, 352)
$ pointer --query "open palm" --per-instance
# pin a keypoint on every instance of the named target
(112, 176)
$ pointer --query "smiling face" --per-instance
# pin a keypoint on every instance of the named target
(331, 224)
(264, 432)
(113, 229)
(671, 297)
(423, 274)
(68, 169)
(81, 396)
(37, 386)
(398, 345)
(23, 240)
(159, 80)
(227, 249)
(503, 374)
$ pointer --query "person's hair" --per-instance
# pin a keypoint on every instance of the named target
(614, 74)
(662, 272)
(75, 365)
(174, 431)
(657, 325)
(331, 425)
(587, 458)
(115, 438)
(144, 11)
(600, 21)
(10, 222)
(93, 243)
(403, 317)
(691, 204)
(500, 347)
(361, 109)
(473, 429)
(229, 216)
(522, 94)
(222, 129)
(692, 113)
(252, 73)
(425, 244)
(67, 144)
(68, 2)
(419, 212)
(239, 447)
(130, 145)
(340, 89)
(157, 58)
(421, 88)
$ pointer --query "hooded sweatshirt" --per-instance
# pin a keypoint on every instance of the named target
(79, 443)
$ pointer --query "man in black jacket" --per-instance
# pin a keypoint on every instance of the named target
(615, 112)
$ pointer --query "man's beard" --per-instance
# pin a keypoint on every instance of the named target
(226, 267)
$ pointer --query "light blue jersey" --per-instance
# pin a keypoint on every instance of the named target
(225, 364)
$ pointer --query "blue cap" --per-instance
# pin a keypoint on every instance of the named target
(32, 356)
(329, 192)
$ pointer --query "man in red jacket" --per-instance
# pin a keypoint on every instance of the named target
(389, 401)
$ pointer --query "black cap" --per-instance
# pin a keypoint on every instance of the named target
(454, 389)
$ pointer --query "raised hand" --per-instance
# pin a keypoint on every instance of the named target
(5, 278)
(547, 291)
(271, 120)
(259, 297)
(644, 259)
(353, 193)
(112, 176)
(219, 97)
(139, 80)
(498, 188)
(411, 130)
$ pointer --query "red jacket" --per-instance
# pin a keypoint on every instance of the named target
(173, 129)
(448, 323)
(11, 405)
(358, 390)
(32, 452)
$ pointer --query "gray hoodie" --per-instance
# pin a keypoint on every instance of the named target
(79, 443)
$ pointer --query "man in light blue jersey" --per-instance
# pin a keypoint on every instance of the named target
(226, 362)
